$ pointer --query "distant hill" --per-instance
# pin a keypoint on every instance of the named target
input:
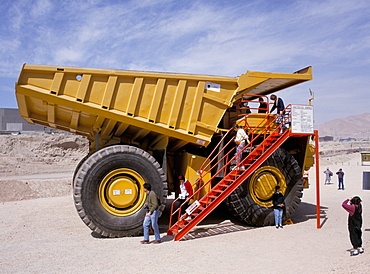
(357, 126)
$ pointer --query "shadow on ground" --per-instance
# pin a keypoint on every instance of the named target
(307, 211)
(219, 221)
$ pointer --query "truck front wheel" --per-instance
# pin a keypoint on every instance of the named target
(108, 189)
(251, 201)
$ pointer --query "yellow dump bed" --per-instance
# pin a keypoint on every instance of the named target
(115, 103)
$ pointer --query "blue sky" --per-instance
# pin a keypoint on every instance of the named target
(207, 37)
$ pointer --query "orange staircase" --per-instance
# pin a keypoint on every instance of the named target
(231, 179)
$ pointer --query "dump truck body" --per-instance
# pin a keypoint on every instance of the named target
(168, 121)
(116, 103)
(185, 107)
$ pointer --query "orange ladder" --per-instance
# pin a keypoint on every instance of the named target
(203, 206)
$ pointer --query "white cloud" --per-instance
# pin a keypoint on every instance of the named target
(66, 55)
(206, 37)
(40, 8)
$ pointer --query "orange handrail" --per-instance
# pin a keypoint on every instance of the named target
(203, 172)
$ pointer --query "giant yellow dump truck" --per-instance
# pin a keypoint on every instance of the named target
(151, 127)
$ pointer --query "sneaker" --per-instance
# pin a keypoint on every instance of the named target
(144, 241)
(188, 218)
(281, 226)
(354, 252)
(157, 242)
(277, 227)
(361, 250)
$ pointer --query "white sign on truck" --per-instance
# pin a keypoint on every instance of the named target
(302, 119)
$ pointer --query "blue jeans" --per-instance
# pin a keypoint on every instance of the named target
(152, 219)
(340, 183)
(278, 213)
(238, 149)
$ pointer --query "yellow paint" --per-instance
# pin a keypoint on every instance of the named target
(121, 192)
(186, 107)
(263, 182)
(190, 167)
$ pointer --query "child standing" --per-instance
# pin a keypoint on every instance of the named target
(354, 208)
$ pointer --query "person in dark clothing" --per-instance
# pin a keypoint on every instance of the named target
(354, 208)
(151, 217)
(340, 174)
(278, 104)
(279, 204)
(262, 108)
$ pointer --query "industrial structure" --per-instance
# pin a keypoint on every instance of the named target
(152, 126)
(11, 122)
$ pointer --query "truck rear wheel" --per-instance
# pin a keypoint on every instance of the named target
(108, 189)
(251, 201)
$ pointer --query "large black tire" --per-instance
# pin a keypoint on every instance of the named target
(108, 189)
(255, 206)
(79, 165)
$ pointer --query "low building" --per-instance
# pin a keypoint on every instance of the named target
(11, 122)
(326, 138)
(347, 139)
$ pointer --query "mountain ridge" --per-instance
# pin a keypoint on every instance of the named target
(355, 126)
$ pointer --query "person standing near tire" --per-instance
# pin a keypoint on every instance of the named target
(340, 174)
(151, 216)
(354, 208)
(279, 204)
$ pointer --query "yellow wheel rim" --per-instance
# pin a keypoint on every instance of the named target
(121, 192)
(262, 185)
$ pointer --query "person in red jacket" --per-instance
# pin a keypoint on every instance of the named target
(186, 190)
(354, 208)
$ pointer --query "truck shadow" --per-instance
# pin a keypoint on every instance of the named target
(307, 212)
(220, 221)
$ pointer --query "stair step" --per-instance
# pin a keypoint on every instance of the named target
(217, 190)
(173, 230)
(234, 173)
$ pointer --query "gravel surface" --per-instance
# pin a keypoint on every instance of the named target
(41, 232)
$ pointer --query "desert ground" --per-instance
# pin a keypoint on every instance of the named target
(41, 232)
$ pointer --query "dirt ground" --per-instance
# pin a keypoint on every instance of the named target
(41, 232)
(38, 165)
